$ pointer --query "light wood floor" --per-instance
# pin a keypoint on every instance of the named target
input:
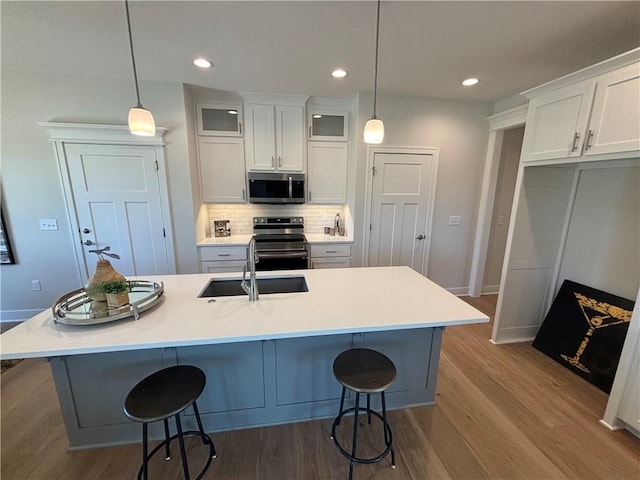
(503, 412)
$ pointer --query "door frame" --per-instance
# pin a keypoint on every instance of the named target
(94, 134)
(498, 123)
(371, 151)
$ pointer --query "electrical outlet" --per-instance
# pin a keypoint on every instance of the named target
(455, 220)
(35, 285)
(48, 224)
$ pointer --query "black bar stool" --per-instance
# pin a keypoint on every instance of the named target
(363, 370)
(166, 394)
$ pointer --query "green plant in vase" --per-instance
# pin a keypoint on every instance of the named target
(116, 292)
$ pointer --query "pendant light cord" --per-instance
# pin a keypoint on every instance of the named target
(133, 60)
(375, 70)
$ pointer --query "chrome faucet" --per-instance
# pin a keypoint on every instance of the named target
(251, 288)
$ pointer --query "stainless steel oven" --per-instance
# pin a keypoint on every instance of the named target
(280, 243)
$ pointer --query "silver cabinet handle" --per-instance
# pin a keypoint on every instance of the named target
(588, 141)
(309, 195)
(309, 131)
(280, 161)
(420, 237)
(240, 128)
(330, 251)
(224, 254)
(88, 242)
(574, 147)
(244, 194)
(273, 162)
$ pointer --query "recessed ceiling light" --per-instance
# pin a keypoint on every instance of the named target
(470, 81)
(339, 73)
(202, 63)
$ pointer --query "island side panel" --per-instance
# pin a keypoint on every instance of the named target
(249, 384)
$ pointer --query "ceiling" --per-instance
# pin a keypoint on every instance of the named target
(426, 48)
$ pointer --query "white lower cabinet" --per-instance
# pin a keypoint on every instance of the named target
(218, 259)
(330, 256)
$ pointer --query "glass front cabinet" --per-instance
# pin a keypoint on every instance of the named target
(328, 125)
(219, 119)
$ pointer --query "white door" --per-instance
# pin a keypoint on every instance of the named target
(116, 194)
(401, 209)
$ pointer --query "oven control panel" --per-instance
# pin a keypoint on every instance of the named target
(277, 221)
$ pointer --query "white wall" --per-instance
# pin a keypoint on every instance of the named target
(31, 187)
(603, 242)
(460, 131)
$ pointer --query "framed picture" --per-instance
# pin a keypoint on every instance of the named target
(6, 254)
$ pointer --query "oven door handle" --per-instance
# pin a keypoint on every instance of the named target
(266, 255)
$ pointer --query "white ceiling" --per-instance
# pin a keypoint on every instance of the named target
(426, 48)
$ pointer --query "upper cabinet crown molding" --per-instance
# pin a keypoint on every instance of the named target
(92, 132)
(619, 61)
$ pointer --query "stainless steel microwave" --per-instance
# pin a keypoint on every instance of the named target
(278, 188)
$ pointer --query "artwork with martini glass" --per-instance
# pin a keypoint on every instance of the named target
(585, 331)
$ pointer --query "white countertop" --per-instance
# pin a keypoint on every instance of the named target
(345, 300)
(243, 240)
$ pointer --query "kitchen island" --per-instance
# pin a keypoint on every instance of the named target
(266, 362)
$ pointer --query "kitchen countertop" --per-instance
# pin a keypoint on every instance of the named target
(243, 240)
(338, 301)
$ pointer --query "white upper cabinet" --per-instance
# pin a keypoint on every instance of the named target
(598, 115)
(556, 123)
(221, 164)
(219, 119)
(328, 125)
(327, 173)
(615, 121)
(275, 138)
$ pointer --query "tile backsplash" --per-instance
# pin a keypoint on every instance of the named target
(240, 217)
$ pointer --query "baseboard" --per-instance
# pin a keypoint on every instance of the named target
(458, 291)
(490, 290)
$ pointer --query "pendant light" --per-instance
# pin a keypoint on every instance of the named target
(140, 119)
(374, 129)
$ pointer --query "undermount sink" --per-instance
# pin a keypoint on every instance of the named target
(230, 288)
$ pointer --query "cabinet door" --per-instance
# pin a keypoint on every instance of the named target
(290, 138)
(260, 141)
(615, 121)
(327, 173)
(304, 368)
(331, 262)
(557, 122)
(326, 125)
(223, 120)
(222, 177)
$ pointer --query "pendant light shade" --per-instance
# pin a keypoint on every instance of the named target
(140, 119)
(374, 129)
(141, 122)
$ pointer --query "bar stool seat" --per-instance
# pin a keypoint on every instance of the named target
(364, 371)
(160, 396)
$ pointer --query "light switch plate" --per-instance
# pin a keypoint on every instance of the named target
(455, 220)
(48, 224)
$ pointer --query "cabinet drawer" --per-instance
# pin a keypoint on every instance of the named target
(330, 250)
(223, 253)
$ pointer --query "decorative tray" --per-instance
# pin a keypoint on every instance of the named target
(77, 308)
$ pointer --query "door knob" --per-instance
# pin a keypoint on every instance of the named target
(88, 242)
(420, 237)
(86, 230)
